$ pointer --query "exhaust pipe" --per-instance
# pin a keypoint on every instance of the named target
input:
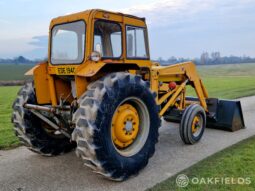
(38, 107)
(45, 108)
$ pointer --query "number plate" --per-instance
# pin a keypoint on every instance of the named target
(65, 70)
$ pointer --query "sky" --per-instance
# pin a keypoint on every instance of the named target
(181, 28)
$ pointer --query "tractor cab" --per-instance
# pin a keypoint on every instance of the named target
(97, 35)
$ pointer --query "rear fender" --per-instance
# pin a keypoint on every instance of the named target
(31, 71)
(41, 83)
(92, 68)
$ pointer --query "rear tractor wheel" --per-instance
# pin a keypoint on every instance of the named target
(117, 126)
(31, 130)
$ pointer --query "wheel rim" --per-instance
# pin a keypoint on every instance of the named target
(125, 125)
(197, 125)
(130, 126)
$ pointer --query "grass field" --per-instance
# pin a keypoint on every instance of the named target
(228, 87)
(228, 81)
(7, 138)
(234, 162)
(9, 72)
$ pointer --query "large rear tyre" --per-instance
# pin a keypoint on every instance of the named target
(192, 124)
(116, 126)
(28, 128)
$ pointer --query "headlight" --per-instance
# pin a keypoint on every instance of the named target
(95, 56)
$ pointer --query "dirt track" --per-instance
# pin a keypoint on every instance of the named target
(23, 170)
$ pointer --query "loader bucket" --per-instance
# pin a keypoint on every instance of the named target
(223, 114)
(228, 116)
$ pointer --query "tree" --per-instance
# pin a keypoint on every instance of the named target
(215, 56)
(204, 58)
(172, 60)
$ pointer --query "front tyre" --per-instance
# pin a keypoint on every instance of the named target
(117, 126)
(192, 124)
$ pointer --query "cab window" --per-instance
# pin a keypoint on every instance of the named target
(136, 43)
(107, 39)
(68, 43)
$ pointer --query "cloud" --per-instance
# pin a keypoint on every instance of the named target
(167, 12)
(31, 48)
(37, 53)
(39, 41)
(171, 12)
(189, 27)
(39, 46)
(13, 47)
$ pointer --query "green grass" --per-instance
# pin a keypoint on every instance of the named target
(7, 137)
(234, 162)
(228, 87)
(9, 72)
(228, 81)
(227, 70)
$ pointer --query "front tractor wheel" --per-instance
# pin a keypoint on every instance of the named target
(192, 124)
(117, 126)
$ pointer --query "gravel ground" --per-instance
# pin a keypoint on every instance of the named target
(23, 170)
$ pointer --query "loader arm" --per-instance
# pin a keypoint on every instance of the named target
(183, 74)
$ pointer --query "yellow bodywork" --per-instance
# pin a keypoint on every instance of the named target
(182, 73)
(51, 87)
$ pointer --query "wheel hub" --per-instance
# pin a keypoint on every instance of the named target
(195, 124)
(129, 126)
(125, 126)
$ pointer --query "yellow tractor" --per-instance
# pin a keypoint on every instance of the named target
(100, 93)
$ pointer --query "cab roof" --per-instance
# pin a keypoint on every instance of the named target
(94, 11)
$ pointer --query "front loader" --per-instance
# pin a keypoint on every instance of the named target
(100, 93)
